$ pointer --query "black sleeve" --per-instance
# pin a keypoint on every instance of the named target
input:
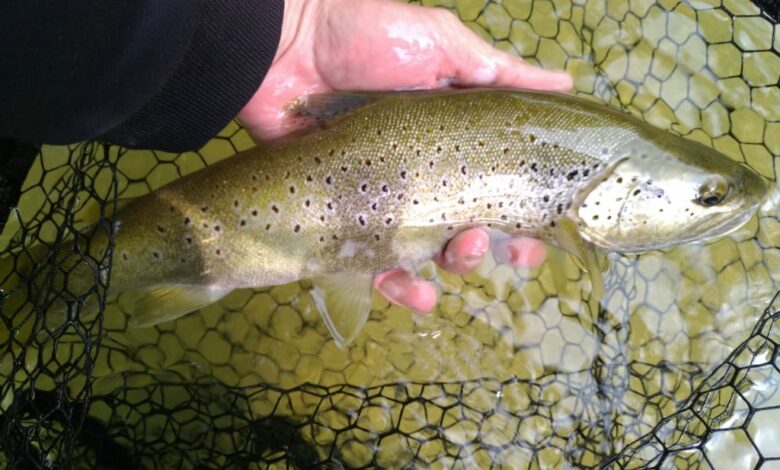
(162, 74)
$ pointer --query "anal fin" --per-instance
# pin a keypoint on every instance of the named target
(169, 302)
(344, 301)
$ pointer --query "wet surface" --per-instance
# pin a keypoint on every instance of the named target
(678, 367)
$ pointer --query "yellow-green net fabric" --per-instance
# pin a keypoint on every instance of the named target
(677, 368)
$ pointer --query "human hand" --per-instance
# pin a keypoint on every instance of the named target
(348, 45)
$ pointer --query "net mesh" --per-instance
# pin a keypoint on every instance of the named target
(677, 367)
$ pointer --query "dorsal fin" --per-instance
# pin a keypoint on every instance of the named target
(320, 108)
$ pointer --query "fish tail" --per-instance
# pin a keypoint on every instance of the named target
(38, 284)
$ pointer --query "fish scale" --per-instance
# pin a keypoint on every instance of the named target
(388, 181)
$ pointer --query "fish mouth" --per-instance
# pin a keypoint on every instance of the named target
(730, 225)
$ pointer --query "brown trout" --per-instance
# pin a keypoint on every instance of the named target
(387, 179)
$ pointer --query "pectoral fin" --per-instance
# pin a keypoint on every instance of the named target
(344, 301)
(169, 302)
(585, 255)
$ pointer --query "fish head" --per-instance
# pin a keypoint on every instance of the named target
(662, 191)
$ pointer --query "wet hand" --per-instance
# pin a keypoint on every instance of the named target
(331, 45)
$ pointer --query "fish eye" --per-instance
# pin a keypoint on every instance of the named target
(712, 192)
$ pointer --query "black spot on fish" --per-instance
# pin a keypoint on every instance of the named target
(216, 228)
(156, 254)
(268, 227)
(235, 203)
(368, 162)
(444, 182)
(362, 220)
(254, 213)
(546, 198)
(489, 205)
(376, 236)
(297, 228)
(503, 217)
(506, 150)
(619, 180)
(531, 138)
(242, 222)
(309, 178)
(363, 187)
(330, 205)
(443, 216)
(481, 143)
(385, 188)
(595, 217)
(124, 256)
(187, 221)
(275, 209)
(415, 201)
(552, 223)
(403, 175)
(218, 251)
(585, 172)
(518, 225)
(438, 149)
(328, 180)
(463, 169)
(204, 209)
(533, 166)
(160, 229)
(388, 221)
(457, 148)
(188, 240)
(560, 208)
(636, 193)
(307, 203)
(292, 189)
(344, 168)
(571, 175)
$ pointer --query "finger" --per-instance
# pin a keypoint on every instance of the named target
(465, 251)
(403, 288)
(476, 63)
(522, 252)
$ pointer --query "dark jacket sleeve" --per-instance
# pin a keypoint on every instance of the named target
(161, 74)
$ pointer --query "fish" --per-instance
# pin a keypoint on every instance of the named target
(381, 180)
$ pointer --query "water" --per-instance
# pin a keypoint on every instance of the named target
(507, 369)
